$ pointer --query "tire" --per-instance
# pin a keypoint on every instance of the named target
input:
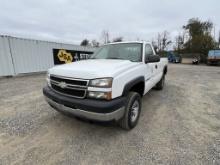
(132, 111)
(161, 83)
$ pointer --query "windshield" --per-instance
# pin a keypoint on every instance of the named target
(214, 53)
(125, 51)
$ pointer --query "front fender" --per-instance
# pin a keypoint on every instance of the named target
(132, 83)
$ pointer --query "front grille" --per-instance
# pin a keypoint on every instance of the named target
(69, 81)
(68, 91)
(69, 86)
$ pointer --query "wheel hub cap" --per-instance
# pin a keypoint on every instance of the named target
(134, 111)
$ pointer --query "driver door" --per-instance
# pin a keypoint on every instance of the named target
(150, 69)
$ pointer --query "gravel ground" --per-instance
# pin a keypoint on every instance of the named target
(178, 125)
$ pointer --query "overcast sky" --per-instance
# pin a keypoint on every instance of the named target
(73, 20)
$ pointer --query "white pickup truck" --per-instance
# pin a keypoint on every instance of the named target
(109, 85)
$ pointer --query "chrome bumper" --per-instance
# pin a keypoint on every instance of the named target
(116, 115)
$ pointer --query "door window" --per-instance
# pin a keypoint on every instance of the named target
(148, 50)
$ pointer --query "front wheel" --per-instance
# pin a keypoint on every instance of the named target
(132, 111)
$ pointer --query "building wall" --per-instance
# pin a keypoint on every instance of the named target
(19, 55)
(6, 65)
(187, 60)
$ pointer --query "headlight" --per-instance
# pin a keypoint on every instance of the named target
(48, 79)
(102, 82)
(100, 95)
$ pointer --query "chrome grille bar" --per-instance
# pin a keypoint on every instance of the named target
(70, 86)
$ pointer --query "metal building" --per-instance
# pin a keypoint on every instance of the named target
(19, 55)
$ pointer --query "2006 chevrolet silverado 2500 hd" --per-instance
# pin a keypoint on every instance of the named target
(109, 85)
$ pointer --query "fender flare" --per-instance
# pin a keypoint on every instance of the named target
(131, 83)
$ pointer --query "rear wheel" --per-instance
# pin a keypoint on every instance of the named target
(132, 111)
(161, 83)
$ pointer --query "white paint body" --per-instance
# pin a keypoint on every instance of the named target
(122, 71)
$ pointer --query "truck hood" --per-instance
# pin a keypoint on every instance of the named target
(93, 68)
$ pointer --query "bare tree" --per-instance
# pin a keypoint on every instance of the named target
(105, 36)
(165, 40)
(155, 45)
(95, 43)
(162, 42)
(179, 42)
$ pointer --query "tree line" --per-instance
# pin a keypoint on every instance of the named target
(195, 37)
(104, 37)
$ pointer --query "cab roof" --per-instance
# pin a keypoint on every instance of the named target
(127, 42)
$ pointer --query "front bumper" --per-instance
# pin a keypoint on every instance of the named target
(214, 60)
(99, 110)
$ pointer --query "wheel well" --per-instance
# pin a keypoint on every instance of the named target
(165, 70)
(139, 88)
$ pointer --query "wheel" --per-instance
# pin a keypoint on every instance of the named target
(161, 83)
(132, 111)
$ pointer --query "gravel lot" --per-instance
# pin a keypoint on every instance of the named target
(179, 125)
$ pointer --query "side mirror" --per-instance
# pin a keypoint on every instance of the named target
(152, 58)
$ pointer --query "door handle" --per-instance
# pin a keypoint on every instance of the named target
(156, 66)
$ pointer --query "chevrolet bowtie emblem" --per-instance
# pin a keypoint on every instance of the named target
(62, 85)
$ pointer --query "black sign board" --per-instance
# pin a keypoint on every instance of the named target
(63, 56)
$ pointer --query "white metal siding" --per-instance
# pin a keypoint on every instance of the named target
(24, 55)
(30, 56)
(6, 66)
